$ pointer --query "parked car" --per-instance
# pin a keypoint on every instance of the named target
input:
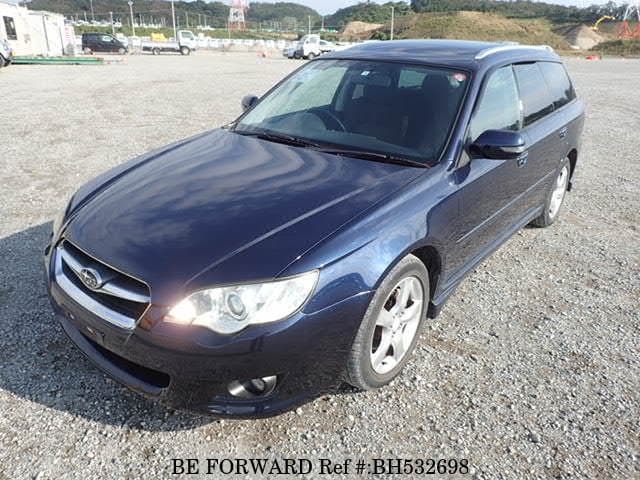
(250, 268)
(102, 43)
(311, 46)
(185, 44)
(290, 52)
(6, 53)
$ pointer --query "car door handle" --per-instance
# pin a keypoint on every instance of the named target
(522, 159)
(562, 132)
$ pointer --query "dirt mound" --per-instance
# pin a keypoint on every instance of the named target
(359, 29)
(478, 26)
(583, 37)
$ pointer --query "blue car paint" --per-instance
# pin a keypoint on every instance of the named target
(222, 208)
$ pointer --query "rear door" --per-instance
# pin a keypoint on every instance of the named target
(544, 132)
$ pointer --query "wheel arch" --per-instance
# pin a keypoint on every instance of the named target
(432, 260)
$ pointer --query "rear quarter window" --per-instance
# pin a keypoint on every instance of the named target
(558, 82)
(537, 100)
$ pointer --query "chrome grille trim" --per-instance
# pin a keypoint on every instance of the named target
(110, 287)
(77, 294)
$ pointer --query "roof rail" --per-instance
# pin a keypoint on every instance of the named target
(501, 48)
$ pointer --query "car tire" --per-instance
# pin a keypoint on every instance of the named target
(311, 56)
(555, 197)
(156, 51)
(122, 51)
(185, 50)
(370, 364)
(87, 51)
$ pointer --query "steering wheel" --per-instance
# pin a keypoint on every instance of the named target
(328, 118)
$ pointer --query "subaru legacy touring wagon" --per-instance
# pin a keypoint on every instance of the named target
(251, 268)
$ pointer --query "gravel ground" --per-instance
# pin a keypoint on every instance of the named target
(531, 371)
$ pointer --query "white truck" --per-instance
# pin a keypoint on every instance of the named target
(312, 46)
(185, 44)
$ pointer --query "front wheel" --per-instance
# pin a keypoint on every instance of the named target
(389, 329)
(156, 51)
(555, 197)
(311, 56)
(185, 50)
(122, 51)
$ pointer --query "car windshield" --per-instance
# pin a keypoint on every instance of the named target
(403, 111)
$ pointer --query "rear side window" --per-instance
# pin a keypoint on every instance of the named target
(10, 28)
(536, 96)
(558, 82)
(499, 107)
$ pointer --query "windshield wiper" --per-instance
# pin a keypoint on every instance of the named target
(277, 137)
(378, 157)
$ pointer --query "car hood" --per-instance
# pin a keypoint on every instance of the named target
(224, 208)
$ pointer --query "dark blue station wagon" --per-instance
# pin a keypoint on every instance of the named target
(251, 268)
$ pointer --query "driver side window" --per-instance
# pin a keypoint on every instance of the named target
(499, 107)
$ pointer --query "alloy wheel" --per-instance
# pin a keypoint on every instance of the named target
(396, 325)
(559, 191)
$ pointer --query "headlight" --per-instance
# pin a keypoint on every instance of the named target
(230, 309)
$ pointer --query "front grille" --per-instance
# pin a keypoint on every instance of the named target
(108, 293)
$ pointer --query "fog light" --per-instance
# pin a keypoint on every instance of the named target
(256, 387)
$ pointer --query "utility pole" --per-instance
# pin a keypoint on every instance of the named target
(93, 17)
(113, 30)
(309, 17)
(173, 16)
(322, 28)
(186, 17)
(393, 9)
(133, 27)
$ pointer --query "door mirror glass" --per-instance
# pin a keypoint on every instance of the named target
(248, 102)
(498, 145)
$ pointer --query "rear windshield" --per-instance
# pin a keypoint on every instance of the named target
(397, 109)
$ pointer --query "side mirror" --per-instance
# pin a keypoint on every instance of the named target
(248, 102)
(499, 145)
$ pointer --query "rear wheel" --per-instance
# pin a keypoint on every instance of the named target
(156, 51)
(389, 329)
(185, 50)
(555, 197)
(311, 56)
(122, 51)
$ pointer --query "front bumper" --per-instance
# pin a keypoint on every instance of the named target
(191, 367)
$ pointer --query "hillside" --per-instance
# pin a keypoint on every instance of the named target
(475, 26)
(558, 14)
(366, 12)
(285, 14)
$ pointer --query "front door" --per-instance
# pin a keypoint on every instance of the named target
(489, 189)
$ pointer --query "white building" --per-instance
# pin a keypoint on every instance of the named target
(32, 32)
